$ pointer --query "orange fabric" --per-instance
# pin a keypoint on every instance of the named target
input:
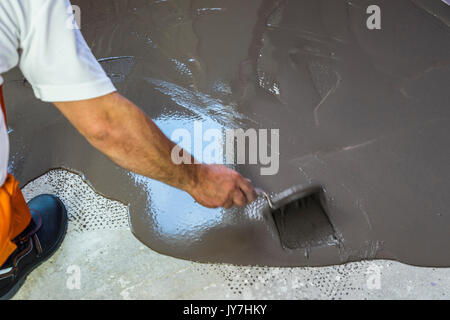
(14, 213)
(14, 216)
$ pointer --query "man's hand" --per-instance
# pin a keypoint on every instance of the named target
(219, 186)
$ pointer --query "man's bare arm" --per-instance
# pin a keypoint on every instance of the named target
(119, 129)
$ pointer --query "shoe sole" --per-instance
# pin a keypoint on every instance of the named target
(10, 294)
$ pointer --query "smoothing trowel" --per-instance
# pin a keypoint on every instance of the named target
(300, 216)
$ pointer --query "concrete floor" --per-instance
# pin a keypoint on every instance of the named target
(101, 259)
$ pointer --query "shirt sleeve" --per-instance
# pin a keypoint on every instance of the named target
(55, 58)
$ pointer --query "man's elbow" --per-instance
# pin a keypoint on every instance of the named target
(99, 133)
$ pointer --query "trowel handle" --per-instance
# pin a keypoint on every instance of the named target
(261, 192)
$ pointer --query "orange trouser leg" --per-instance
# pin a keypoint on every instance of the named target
(14, 216)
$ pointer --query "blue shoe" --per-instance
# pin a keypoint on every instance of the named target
(38, 242)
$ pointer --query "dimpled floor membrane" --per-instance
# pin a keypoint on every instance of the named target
(88, 211)
(363, 113)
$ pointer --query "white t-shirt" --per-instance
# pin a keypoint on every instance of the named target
(38, 35)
